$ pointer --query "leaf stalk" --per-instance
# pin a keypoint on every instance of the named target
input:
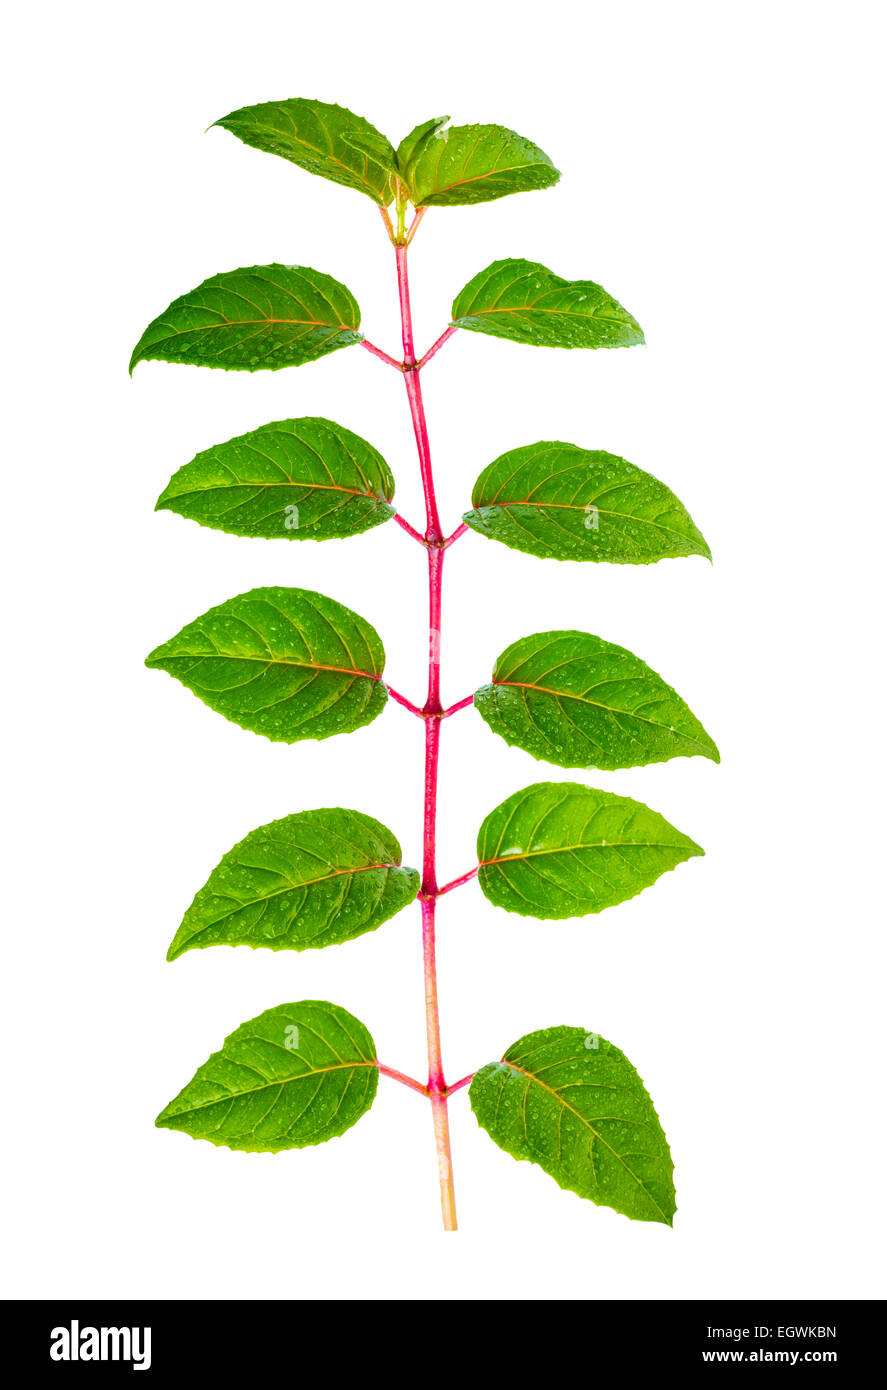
(458, 882)
(436, 347)
(403, 1078)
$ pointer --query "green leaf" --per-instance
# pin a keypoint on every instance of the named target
(412, 145)
(264, 316)
(572, 1102)
(565, 503)
(324, 139)
(578, 701)
(526, 303)
(307, 479)
(312, 879)
(453, 166)
(296, 1075)
(560, 849)
(286, 663)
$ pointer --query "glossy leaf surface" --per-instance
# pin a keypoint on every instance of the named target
(260, 317)
(527, 303)
(295, 1075)
(450, 166)
(307, 479)
(286, 663)
(324, 139)
(571, 1102)
(312, 879)
(561, 849)
(560, 502)
(575, 700)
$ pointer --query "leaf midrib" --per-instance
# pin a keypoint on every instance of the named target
(491, 173)
(597, 704)
(534, 309)
(249, 323)
(282, 1081)
(287, 482)
(581, 507)
(288, 888)
(571, 849)
(271, 661)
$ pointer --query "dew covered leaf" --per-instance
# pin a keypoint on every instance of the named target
(316, 878)
(561, 502)
(324, 139)
(561, 849)
(575, 700)
(450, 166)
(526, 303)
(259, 317)
(571, 1102)
(306, 479)
(286, 663)
(295, 1075)
(412, 145)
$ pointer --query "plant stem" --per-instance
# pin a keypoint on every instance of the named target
(457, 1085)
(459, 531)
(402, 700)
(436, 347)
(410, 530)
(458, 882)
(403, 1079)
(377, 352)
(437, 1087)
(433, 533)
(460, 704)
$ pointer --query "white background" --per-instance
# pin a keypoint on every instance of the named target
(720, 169)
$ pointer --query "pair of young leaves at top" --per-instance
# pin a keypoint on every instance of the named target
(292, 664)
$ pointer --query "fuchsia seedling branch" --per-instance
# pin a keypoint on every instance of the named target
(432, 712)
(291, 664)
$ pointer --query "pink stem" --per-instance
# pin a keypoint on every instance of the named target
(402, 700)
(435, 600)
(377, 352)
(410, 530)
(437, 1086)
(436, 347)
(420, 213)
(460, 704)
(403, 1079)
(433, 533)
(457, 882)
(459, 1084)
(387, 221)
(459, 531)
